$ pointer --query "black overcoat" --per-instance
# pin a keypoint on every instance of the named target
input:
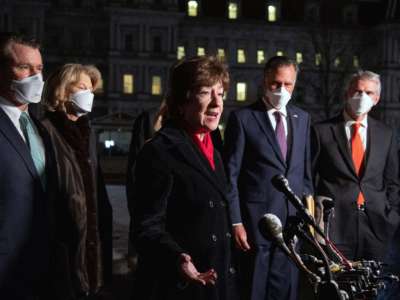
(180, 207)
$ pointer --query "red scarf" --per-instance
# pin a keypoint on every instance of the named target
(206, 147)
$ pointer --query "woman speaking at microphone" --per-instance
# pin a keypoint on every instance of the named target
(84, 215)
(180, 213)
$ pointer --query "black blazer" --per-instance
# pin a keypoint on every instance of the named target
(26, 214)
(180, 206)
(336, 178)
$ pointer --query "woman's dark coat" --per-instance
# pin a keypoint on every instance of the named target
(180, 207)
(84, 215)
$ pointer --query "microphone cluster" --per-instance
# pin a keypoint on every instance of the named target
(342, 280)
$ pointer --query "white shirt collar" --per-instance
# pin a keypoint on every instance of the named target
(271, 109)
(10, 109)
(349, 121)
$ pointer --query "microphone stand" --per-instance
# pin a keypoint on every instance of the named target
(327, 289)
(282, 185)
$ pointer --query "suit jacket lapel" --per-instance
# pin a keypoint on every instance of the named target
(341, 139)
(261, 116)
(15, 139)
(373, 139)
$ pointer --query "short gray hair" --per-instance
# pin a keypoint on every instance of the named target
(364, 75)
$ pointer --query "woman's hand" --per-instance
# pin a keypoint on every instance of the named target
(191, 274)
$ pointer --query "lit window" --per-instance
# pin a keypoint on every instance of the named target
(180, 53)
(156, 85)
(221, 53)
(337, 62)
(241, 56)
(232, 10)
(241, 91)
(271, 13)
(192, 8)
(279, 53)
(356, 62)
(299, 57)
(260, 56)
(100, 87)
(201, 51)
(128, 83)
(318, 59)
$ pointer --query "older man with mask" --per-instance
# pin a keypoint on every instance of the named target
(25, 184)
(355, 162)
(265, 139)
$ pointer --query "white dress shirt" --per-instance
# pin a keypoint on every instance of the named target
(362, 131)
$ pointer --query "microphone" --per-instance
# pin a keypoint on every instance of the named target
(282, 185)
(270, 227)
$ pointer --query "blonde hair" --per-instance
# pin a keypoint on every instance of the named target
(57, 88)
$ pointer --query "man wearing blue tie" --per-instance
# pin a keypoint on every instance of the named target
(25, 164)
(267, 138)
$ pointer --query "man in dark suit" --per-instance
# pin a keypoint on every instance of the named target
(355, 162)
(263, 140)
(25, 183)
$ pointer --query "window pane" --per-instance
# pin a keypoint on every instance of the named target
(156, 85)
(241, 56)
(192, 8)
(128, 83)
(180, 52)
(318, 59)
(201, 51)
(232, 10)
(241, 91)
(100, 88)
(337, 62)
(221, 53)
(260, 56)
(299, 57)
(271, 13)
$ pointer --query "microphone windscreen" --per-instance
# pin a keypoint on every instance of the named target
(270, 227)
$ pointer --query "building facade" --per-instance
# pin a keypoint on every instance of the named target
(134, 43)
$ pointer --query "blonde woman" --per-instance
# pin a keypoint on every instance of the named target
(84, 220)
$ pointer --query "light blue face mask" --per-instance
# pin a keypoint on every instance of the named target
(29, 89)
(83, 100)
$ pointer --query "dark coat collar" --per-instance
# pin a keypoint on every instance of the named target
(182, 143)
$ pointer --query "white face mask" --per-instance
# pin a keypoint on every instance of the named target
(29, 89)
(360, 104)
(83, 101)
(278, 98)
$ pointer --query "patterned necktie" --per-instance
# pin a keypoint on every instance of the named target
(280, 133)
(32, 139)
(357, 153)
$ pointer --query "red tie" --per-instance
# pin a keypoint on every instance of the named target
(357, 152)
